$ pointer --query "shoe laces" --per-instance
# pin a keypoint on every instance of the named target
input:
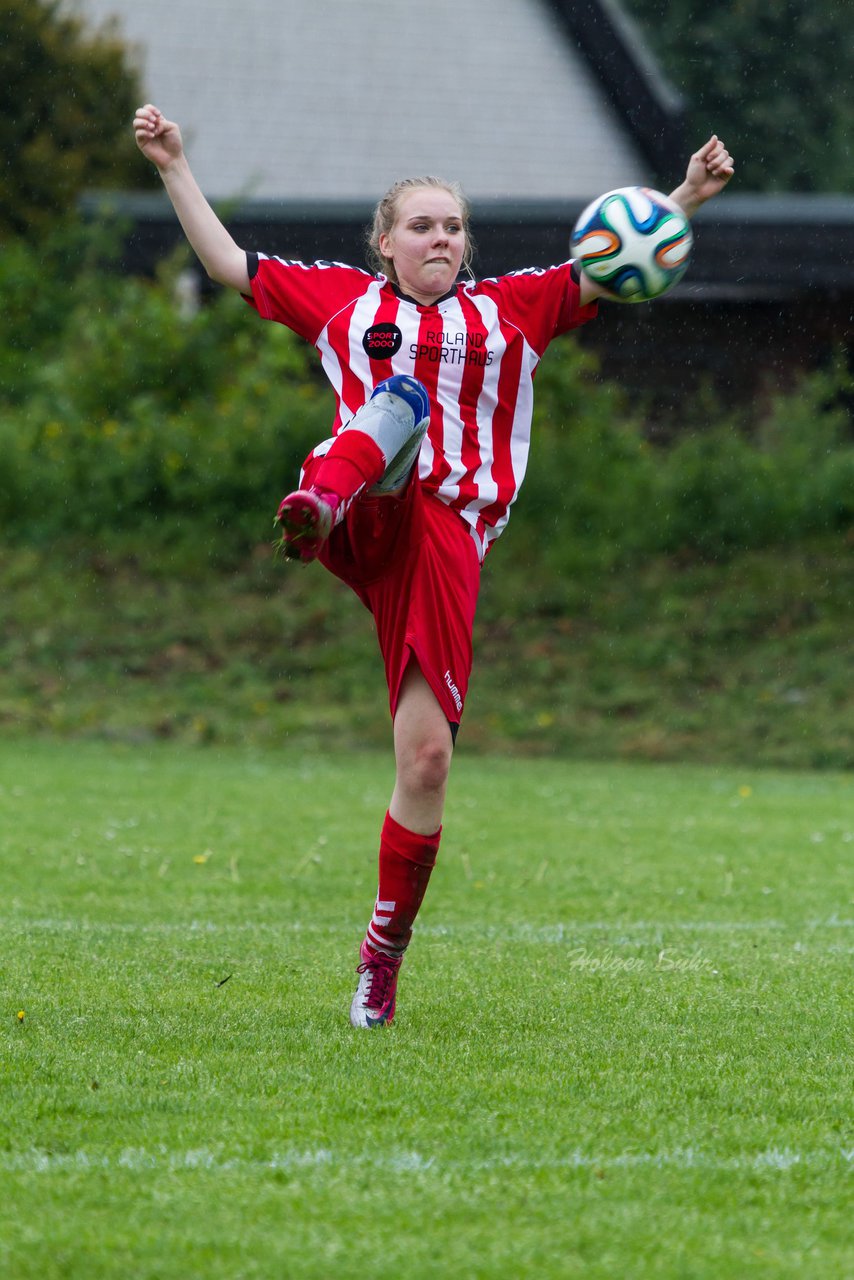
(383, 970)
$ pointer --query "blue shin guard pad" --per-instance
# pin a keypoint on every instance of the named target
(396, 417)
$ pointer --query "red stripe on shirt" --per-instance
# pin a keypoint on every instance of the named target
(427, 371)
(470, 392)
(352, 387)
(386, 314)
(502, 425)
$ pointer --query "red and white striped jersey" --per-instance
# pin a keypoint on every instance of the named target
(476, 351)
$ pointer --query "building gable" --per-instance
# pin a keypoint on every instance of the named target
(278, 99)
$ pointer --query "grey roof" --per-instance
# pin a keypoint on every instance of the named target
(337, 98)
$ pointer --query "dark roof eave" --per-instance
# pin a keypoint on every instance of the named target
(744, 209)
(746, 245)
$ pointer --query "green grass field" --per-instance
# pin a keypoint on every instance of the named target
(748, 661)
(622, 1046)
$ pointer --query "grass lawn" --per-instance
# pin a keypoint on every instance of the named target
(748, 661)
(623, 1043)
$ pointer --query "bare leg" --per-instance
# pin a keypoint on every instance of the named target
(423, 748)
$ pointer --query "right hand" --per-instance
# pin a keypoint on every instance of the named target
(158, 139)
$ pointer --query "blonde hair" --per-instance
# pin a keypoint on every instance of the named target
(388, 210)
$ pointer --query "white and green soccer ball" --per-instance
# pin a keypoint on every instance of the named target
(634, 243)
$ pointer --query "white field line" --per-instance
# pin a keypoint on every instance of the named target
(141, 1160)
(561, 931)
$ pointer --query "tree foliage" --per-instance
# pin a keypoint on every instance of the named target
(773, 79)
(119, 411)
(67, 97)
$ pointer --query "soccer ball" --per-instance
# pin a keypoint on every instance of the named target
(634, 243)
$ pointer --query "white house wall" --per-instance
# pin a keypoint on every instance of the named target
(337, 98)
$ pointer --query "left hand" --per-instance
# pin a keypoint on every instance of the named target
(709, 170)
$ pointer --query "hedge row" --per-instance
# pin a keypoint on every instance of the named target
(119, 410)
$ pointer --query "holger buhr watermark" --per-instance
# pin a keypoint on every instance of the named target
(667, 960)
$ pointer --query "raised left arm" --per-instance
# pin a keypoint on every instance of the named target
(708, 172)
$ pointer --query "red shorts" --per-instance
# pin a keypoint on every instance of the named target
(412, 561)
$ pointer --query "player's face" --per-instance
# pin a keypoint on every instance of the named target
(426, 243)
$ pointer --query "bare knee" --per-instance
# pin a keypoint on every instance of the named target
(423, 767)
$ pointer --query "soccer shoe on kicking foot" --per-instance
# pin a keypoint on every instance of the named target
(374, 1001)
(305, 518)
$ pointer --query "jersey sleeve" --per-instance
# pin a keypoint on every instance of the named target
(541, 303)
(303, 296)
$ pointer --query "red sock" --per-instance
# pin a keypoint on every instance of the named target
(406, 860)
(354, 461)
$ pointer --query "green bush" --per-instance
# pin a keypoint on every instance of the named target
(136, 413)
(119, 411)
(67, 97)
(605, 496)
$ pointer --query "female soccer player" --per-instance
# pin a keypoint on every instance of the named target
(433, 384)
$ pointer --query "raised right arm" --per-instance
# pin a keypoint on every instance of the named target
(160, 141)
